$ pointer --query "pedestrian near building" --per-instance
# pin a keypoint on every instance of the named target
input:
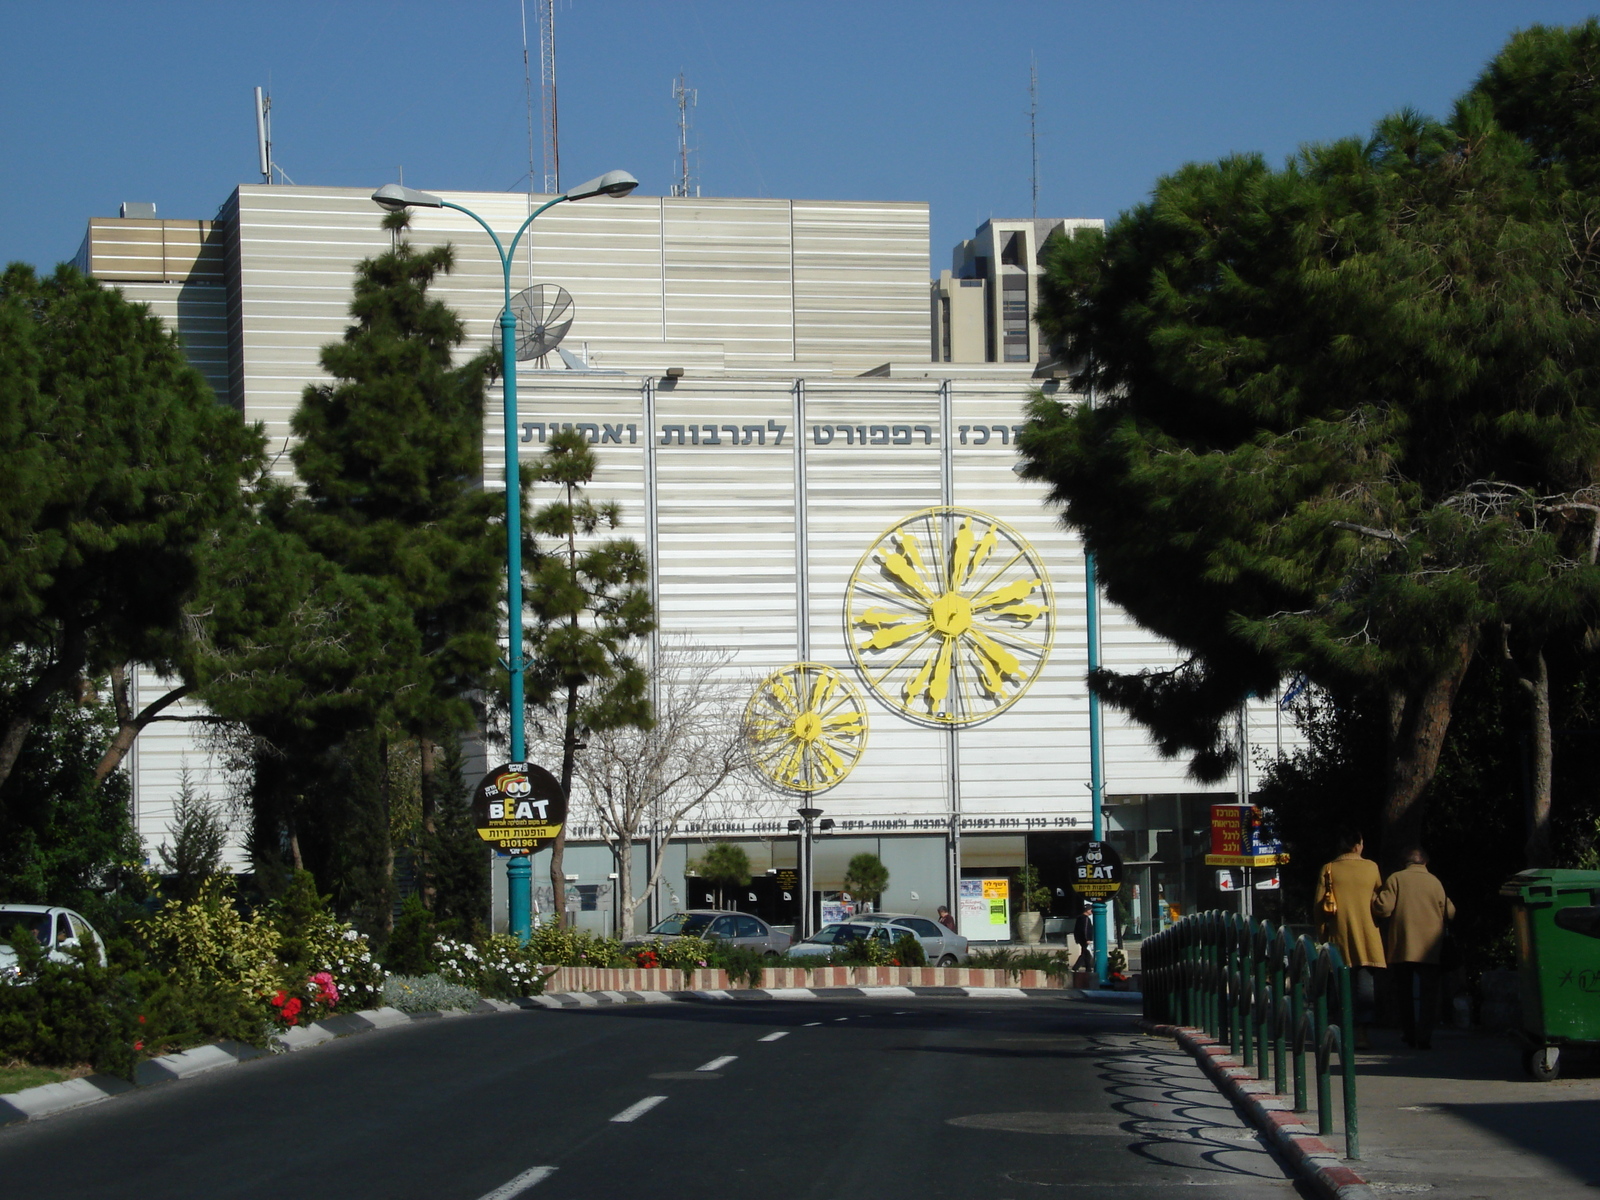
(1347, 890)
(1083, 934)
(1413, 900)
(946, 919)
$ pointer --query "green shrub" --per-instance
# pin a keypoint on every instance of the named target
(552, 945)
(864, 952)
(63, 1014)
(908, 952)
(426, 993)
(740, 962)
(1004, 958)
(206, 941)
(496, 965)
(410, 948)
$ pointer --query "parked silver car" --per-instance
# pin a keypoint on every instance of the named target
(943, 947)
(58, 930)
(739, 929)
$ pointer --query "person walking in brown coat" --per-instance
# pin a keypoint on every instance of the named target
(1353, 882)
(1417, 908)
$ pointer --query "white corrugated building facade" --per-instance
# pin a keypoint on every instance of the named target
(766, 409)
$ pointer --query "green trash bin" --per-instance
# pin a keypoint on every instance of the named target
(1556, 915)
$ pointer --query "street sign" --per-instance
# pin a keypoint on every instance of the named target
(1097, 871)
(1237, 839)
(519, 807)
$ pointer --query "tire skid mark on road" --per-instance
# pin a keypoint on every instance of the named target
(772, 1037)
(716, 1064)
(520, 1184)
(634, 1111)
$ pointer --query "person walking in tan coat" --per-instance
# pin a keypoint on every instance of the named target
(1417, 908)
(1353, 882)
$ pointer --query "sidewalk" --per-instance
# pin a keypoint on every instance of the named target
(1465, 1119)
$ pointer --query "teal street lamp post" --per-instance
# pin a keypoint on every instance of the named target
(1097, 770)
(394, 197)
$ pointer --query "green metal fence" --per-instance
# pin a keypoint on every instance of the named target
(1271, 996)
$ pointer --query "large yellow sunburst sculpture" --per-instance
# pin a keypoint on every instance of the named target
(807, 727)
(950, 616)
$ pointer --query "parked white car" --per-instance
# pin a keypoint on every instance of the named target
(58, 930)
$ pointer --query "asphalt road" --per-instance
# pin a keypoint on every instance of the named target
(825, 1100)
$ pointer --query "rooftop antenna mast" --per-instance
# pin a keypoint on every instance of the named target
(264, 139)
(264, 134)
(1033, 125)
(547, 93)
(686, 98)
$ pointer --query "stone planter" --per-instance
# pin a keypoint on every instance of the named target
(1030, 928)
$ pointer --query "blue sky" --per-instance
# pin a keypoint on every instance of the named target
(874, 99)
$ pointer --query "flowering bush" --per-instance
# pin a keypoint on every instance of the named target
(426, 993)
(206, 941)
(498, 965)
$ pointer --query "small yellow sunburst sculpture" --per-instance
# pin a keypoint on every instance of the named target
(951, 616)
(807, 726)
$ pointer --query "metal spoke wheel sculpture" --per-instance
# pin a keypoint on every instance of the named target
(807, 727)
(950, 616)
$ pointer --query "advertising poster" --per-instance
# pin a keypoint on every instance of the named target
(985, 914)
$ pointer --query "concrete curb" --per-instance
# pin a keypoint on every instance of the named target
(1311, 1158)
(32, 1104)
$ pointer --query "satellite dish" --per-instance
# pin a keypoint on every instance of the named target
(544, 313)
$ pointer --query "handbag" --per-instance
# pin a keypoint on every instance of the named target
(1330, 902)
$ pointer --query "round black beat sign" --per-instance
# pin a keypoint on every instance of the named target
(1097, 871)
(519, 807)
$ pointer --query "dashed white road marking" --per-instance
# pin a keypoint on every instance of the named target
(716, 1064)
(772, 1037)
(809, 1024)
(634, 1111)
(520, 1184)
(841, 1018)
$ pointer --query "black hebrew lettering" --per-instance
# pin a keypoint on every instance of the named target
(593, 431)
(666, 434)
(927, 434)
(711, 438)
(976, 430)
(880, 435)
(904, 430)
(963, 429)
(861, 432)
(529, 426)
(694, 435)
(849, 432)
(758, 431)
(774, 427)
(1005, 433)
(733, 434)
(1016, 433)
(816, 434)
(613, 434)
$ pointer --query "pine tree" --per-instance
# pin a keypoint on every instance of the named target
(1342, 407)
(390, 454)
(118, 462)
(590, 606)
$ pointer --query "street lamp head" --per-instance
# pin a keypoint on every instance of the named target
(394, 197)
(612, 183)
(810, 814)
